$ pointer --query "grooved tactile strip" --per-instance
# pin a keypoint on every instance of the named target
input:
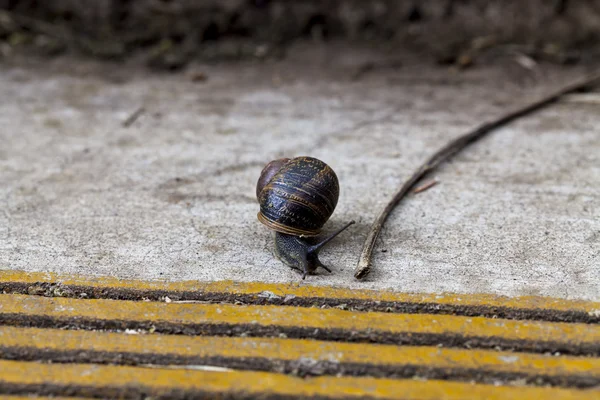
(274, 344)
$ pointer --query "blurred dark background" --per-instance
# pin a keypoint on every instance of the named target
(168, 34)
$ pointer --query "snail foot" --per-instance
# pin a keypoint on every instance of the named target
(302, 253)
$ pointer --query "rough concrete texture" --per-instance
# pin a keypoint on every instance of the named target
(172, 196)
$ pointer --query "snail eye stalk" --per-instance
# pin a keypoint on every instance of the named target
(300, 253)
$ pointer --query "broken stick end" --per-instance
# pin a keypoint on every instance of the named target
(362, 270)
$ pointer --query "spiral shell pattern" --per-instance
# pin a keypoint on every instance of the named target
(299, 198)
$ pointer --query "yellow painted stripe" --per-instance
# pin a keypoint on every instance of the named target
(294, 349)
(282, 316)
(255, 383)
(304, 290)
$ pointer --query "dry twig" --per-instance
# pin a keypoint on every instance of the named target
(133, 117)
(425, 186)
(445, 153)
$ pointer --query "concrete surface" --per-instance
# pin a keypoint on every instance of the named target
(172, 196)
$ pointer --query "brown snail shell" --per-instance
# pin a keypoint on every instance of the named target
(297, 196)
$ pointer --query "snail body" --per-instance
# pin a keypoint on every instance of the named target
(296, 197)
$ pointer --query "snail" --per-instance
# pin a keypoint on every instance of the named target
(296, 197)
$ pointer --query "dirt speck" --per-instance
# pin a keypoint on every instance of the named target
(53, 123)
